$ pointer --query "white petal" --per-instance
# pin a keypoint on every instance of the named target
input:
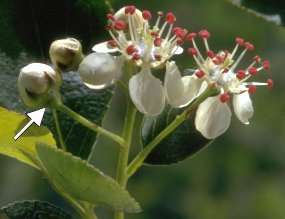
(180, 91)
(104, 48)
(99, 70)
(147, 93)
(243, 107)
(213, 117)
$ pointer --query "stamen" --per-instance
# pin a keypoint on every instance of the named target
(225, 97)
(239, 42)
(270, 83)
(146, 15)
(251, 89)
(200, 73)
(170, 18)
(257, 59)
(160, 14)
(211, 54)
(131, 49)
(192, 51)
(238, 60)
(169, 32)
(110, 17)
(253, 71)
(157, 57)
(204, 34)
(119, 25)
(136, 57)
(157, 42)
(130, 9)
(240, 74)
(191, 36)
(112, 43)
(131, 28)
(266, 64)
(249, 46)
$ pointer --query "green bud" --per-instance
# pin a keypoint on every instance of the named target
(66, 54)
(36, 82)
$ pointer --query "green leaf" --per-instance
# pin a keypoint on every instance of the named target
(32, 210)
(34, 24)
(24, 148)
(184, 142)
(83, 181)
(273, 11)
(89, 103)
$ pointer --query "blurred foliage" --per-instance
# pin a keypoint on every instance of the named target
(271, 10)
(32, 210)
(241, 175)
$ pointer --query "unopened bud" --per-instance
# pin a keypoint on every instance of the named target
(100, 70)
(66, 54)
(35, 82)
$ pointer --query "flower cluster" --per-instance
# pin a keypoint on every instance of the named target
(221, 70)
(146, 46)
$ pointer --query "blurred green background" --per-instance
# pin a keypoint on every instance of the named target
(241, 175)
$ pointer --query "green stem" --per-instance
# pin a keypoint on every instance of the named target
(139, 159)
(122, 177)
(127, 134)
(85, 122)
(58, 130)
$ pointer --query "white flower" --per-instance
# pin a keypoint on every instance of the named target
(213, 116)
(147, 47)
(34, 83)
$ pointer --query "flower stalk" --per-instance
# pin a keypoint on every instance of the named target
(92, 126)
(138, 161)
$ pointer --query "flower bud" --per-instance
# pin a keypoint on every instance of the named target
(34, 83)
(66, 54)
(100, 70)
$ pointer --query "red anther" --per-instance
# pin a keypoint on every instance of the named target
(270, 83)
(157, 41)
(240, 74)
(249, 46)
(136, 56)
(200, 73)
(179, 41)
(120, 25)
(112, 43)
(252, 71)
(160, 13)
(179, 32)
(226, 70)
(225, 97)
(192, 51)
(191, 36)
(266, 64)
(251, 89)
(131, 49)
(210, 54)
(218, 60)
(239, 41)
(204, 34)
(110, 16)
(257, 59)
(170, 18)
(130, 9)
(108, 27)
(146, 15)
(154, 34)
(157, 57)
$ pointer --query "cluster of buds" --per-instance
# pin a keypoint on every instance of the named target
(37, 82)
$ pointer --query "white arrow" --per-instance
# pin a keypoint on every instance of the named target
(36, 117)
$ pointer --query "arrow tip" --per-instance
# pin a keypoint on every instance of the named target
(37, 116)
